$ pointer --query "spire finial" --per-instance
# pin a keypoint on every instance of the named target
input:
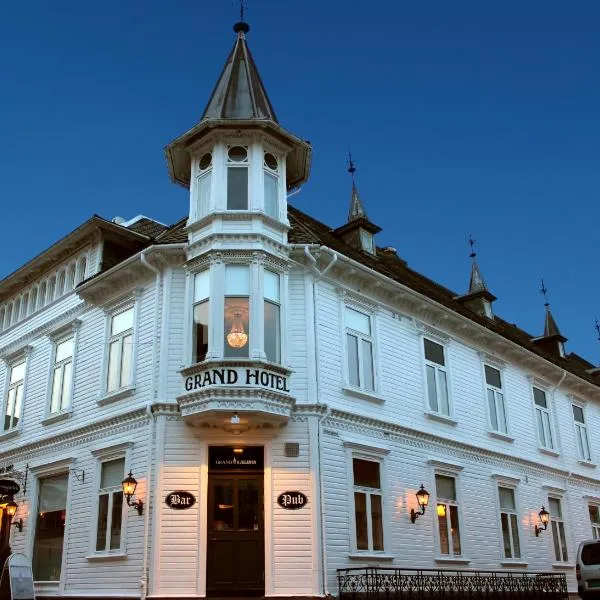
(473, 254)
(544, 292)
(351, 167)
(241, 26)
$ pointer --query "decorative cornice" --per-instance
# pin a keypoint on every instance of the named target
(20, 352)
(351, 297)
(492, 360)
(246, 257)
(430, 331)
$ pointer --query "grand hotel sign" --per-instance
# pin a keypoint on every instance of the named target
(250, 377)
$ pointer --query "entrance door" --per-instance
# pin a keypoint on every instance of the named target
(236, 556)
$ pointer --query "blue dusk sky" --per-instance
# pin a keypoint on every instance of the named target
(463, 117)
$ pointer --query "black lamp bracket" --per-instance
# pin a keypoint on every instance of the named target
(18, 524)
(79, 474)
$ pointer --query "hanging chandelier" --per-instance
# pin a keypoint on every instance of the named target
(237, 337)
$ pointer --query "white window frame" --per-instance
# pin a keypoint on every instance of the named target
(12, 361)
(359, 451)
(277, 303)
(110, 312)
(445, 368)
(102, 455)
(547, 411)
(582, 437)
(247, 164)
(556, 521)
(370, 314)
(277, 174)
(202, 174)
(509, 513)
(193, 303)
(454, 473)
(496, 391)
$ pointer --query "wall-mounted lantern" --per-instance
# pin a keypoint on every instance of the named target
(129, 484)
(11, 511)
(544, 516)
(423, 500)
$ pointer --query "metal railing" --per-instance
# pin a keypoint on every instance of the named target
(388, 583)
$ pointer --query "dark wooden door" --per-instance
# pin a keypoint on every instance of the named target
(236, 556)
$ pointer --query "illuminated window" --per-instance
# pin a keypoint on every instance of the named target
(110, 505)
(368, 504)
(272, 305)
(448, 517)
(237, 311)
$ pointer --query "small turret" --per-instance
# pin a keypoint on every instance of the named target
(552, 341)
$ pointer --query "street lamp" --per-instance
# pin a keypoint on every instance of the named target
(544, 516)
(129, 484)
(423, 500)
(11, 511)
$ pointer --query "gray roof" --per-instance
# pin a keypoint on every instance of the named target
(357, 210)
(476, 283)
(239, 93)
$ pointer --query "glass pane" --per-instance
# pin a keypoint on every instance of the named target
(444, 406)
(431, 388)
(66, 387)
(360, 515)
(10, 408)
(366, 473)
(117, 515)
(594, 514)
(492, 408)
(113, 366)
(205, 161)
(352, 344)
(55, 401)
(237, 325)
(443, 529)
(238, 154)
(445, 487)
(358, 321)
(271, 161)
(18, 404)
(222, 518)
(492, 377)
(366, 240)
(64, 350)
(204, 183)
(578, 414)
(271, 285)
(555, 540)
(201, 285)
(102, 522)
(122, 322)
(53, 493)
(541, 432)
(367, 365)
(17, 373)
(201, 325)
(563, 541)
(507, 498)
(547, 429)
(248, 505)
(237, 188)
(590, 554)
(434, 352)
(586, 445)
(514, 527)
(376, 522)
(501, 412)
(554, 507)
(579, 436)
(237, 280)
(539, 397)
(506, 535)
(455, 531)
(272, 329)
(113, 473)
(271, 204)
(126, 354)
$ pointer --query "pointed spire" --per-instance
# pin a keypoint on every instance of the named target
(240, 93)
(476, 282)
(357, 210)
(552, 340)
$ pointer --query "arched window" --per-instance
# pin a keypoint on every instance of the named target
(60, 286)
(42, 295)
(32, 301)
(2, 315)
(51, 287)
(203, 184)
(15, 312)
(71, 277)
(7, 317)
(80, 272)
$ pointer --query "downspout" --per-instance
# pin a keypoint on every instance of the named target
(144, 577)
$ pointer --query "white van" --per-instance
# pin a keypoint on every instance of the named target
(588, 569)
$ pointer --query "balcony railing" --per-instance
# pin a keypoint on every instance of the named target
(387, 583)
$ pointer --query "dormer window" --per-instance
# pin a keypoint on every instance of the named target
(203, 183)
(237, 178)
(271, 187)
(366, 241)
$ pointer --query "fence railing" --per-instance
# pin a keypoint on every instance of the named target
(388, 583)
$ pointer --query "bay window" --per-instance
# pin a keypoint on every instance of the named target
(62, 375)
(272, 324)
(237, 311)
(437, 379)
(201, 316)
(359, 349)
(14, 395)
(237, 178)
(203, 184)
(448, 517)
(120, 350)
(110, 506)
(368, 505)
(271, 185)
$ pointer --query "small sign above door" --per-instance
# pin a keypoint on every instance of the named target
(180, 500)
(9, 487)
(292, 500)
(226, 458)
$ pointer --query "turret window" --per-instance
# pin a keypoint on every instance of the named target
(271, 186)
(201, 316)
(237, 178)
(272, 317)
(237, 311)
(203, 183)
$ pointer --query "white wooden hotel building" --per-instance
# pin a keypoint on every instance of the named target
(280, 390)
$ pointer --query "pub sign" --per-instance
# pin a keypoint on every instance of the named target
(180, 500)
(292, 500)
